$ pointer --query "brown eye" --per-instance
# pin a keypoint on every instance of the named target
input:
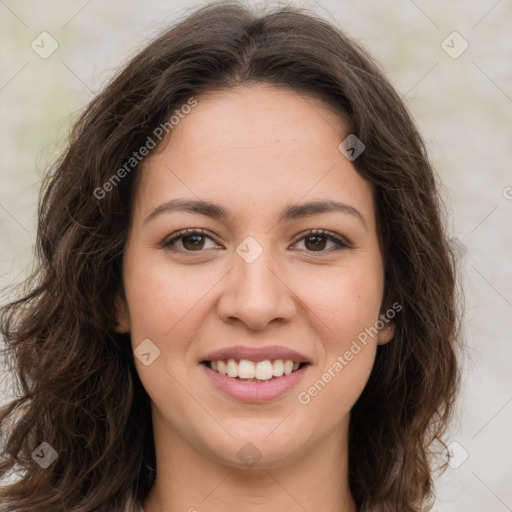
(193, 242)
(322, 242)
(190, 240)
(316, 242)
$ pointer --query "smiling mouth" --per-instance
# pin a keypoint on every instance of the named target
(252, 371)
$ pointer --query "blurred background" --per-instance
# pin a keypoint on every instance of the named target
(451, 61)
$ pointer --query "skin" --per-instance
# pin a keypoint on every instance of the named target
(254, 150)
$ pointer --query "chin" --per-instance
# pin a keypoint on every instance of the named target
(261, 449)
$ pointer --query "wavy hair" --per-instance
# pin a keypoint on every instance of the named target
(77, 388)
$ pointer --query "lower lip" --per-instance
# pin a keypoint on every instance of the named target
(255, 391)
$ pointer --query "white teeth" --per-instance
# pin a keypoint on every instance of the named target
(264, 370)
(232, 368)
(261, 370)
(246, 369)
(278, 368)
(221, 367)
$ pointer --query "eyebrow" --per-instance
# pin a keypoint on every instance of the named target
(290, 212)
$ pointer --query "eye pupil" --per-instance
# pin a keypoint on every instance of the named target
(197, 241)
(319, 242)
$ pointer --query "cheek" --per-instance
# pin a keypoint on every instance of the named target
(167, 307)
(344, 303)
(346, 307)
(161, 299)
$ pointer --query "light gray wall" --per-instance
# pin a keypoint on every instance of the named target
(463, 106)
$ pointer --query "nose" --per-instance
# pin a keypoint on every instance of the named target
(256, 294)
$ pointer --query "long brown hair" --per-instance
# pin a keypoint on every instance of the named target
(77, 387)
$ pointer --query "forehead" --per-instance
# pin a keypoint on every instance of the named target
(254, 147)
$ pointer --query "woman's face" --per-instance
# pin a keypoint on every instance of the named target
(250, 281)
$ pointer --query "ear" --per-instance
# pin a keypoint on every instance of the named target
(386, 334)
(121, 314)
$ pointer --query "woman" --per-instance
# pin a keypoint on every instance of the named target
(245, 295)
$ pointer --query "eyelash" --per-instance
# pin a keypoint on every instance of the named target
(341, 243)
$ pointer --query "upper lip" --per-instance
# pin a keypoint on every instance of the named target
(256, 354)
